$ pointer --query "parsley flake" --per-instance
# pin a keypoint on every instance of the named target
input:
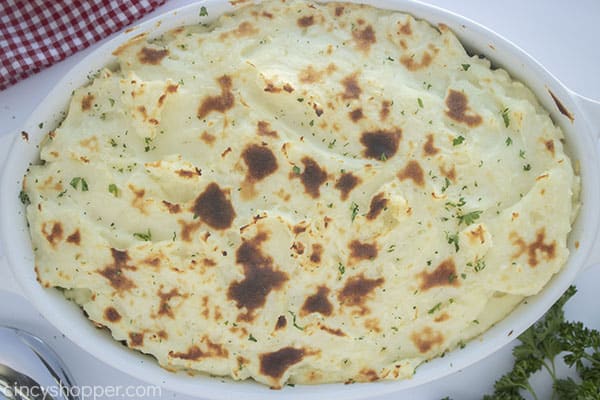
(506, 117)
(146, 237)
(458, 140)
(79, 182)
(465, 67)
(469, 218)
(203, 12)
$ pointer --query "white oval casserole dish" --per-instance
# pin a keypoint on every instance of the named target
(582, 145)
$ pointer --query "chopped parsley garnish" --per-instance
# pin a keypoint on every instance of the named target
(252, 338)
(383, 157)
(522, 153)
(478, 265)
(354, 210)
(112, 188)
(203, 12)
(453, 239)
(24, 197)
(506, 117)
(111, 101)
(146, 237)
(300, 99)
(527, 167)
(79, 182)
(296, 169)
(469, 218)
(41, 125)
(434, 308)
(466, 67)
(458, 140)
(294, 321)
(508, 141)
(390, 59)
(331, 144)
(446, 184)
(420, 102)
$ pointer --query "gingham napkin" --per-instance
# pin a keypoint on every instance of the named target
(35, 34)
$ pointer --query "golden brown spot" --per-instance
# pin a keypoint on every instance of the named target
(90, 143)
(220, 103)
(260, 276)
(306, 21)
(477, 235)
(458, 107)
(412, 65)
(208, 262)
(55, 234)
(195, 353)
(449, 173)
(152, 261)
(331, 331)
(378, 204)
(346, 183)
(362, 251)
(318, 109)
(443, 275)
(317, 251)
(381, 144)
(367, 375)
(317, 303)
(299, 229)
(187, 230)
(442, 317)
(276, 363)
(115, 272)
(339, 10)
(245, 29)
(428, 148)
(263, 128)
(162, 334)
(426, 339)
(351, 88)
(138, 198)
(310, 75)
(136, 339)
(372, 324)
(111, 314)
(404, 29)
(267, 15)
(74, 237)
(225, 152)
(385, 109)
(186, 173)
(281, 322)
(164, 308)
(357, 290)
(356, 115)
(413, 171)
(151, 56)
(312, 177)
(550, 146)
(214, 207)
(364, 38)
(561, 107)
(173, 208)
(548, 250)
(208, 138)
(298, 247)
(261, 162)
(86, 102)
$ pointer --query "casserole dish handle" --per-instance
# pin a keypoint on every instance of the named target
(590, 111)
(7, 281)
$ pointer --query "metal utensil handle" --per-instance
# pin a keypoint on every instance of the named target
(7, 280)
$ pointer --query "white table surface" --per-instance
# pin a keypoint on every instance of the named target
(562, 35)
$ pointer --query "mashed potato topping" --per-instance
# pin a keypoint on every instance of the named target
(301, 193)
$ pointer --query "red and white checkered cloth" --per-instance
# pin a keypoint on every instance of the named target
(35, 34)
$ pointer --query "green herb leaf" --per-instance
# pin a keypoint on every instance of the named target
(296, 169)
(354, 210)
(111, 101)
(527, 167)
(383, 157)
(112, 188)
(294, 321)
(146, 237)
(458, 140)
(79, 182)
(466, 67)
(341, 268)
(420, 102)
(252, 338)
(506, 117)
(469, 218)
(434, 308)
(203, 11)
(508, 141)
(446, 184)
(24, 197)
(453, 239)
